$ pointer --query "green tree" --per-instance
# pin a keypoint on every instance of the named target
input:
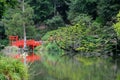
(2, 31)
(102, 10)
(83, 6)
(43, 9)
(3, 40)
(4, 4)
(46, 9)
(55, 22)
(62, 7)
(14, 19)
(107, 9)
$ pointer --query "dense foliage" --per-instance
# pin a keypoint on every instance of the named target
(42, 9)
(16, 18)
(117, 25)
(101, 10)
(12, 69)
(55, 22)
(89, 38)
(4, 4)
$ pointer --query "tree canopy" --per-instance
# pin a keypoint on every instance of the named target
(14, 19)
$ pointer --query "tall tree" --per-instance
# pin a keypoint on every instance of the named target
(62, 7)
(43, 9)
(83, 6)
(102, 10)
(106, 9)
(14, 19)
(46, 9)
(4, 4)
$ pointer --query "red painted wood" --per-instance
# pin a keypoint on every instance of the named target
(29, 43)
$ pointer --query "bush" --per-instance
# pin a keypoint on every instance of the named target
(88, 38)
(79, 18)
(12, 69)
(117, 25)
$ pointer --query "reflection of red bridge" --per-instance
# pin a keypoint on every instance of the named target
(14, 41)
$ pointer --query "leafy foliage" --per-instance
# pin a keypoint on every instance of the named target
(12, 69)
(4, 4)
(107, 9)
(117, 25)
(3, 40)
(3, 43)
(83, 6)
(14, 19)
(102, 9)
(2, 31)
(79, 18)
(86, 37)
(42, 9)
(55, 22)
(47, 9)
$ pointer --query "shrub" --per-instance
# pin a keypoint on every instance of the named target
(12, 69)
(117, 25)
(90, 39)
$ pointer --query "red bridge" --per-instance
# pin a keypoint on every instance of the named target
(31, 44)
